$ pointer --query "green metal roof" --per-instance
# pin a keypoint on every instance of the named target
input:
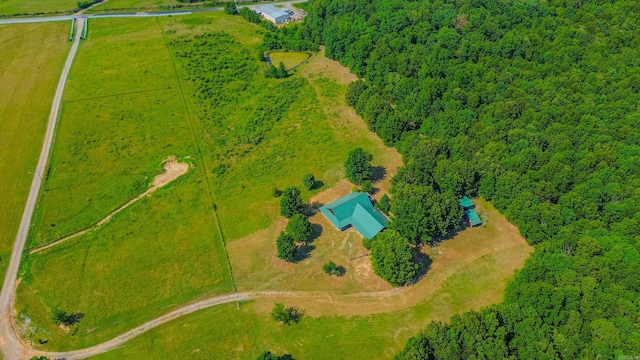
(474, 219)
(465, 203)
(356, 210)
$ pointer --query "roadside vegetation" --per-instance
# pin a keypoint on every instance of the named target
(25, 102)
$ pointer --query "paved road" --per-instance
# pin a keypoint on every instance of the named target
(136, 14)
(8, 338)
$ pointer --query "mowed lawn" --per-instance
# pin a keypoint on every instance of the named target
(31, 60)
(122, 115)
(132, 4)
(290, 59)
(19, 7)
(469, 271)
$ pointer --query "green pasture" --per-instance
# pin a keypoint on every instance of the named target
(301, 139)
(123, 113)
(113, 134)
(302, 5)
(31, 59)
(115, 5)
(24, 7)
(160, 253)
(121, 116)
(226, 332)
(290, 59)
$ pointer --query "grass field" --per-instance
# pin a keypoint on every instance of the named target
(31, 58)
(290, 59)
(122, 115)
(468, 272)
(125, 110)
(112, 5)
(18, 7)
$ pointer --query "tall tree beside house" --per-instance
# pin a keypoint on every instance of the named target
(300, 228)
(286, 246)
(392, 258)
(358, 166)
(291, 202)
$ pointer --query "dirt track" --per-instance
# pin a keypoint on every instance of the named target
(173, 170)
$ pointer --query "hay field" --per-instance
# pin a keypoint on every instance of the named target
(20, 7)
(122, 115)
(31, 59)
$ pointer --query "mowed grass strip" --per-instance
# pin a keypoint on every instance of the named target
(20, 7)
(290, 59)
(31, 60)
(159, 253)
(119, 5)
(121, 115)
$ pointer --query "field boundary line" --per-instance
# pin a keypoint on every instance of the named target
(119, 94)
(204, 166)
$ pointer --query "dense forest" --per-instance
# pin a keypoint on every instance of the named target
(533, 105)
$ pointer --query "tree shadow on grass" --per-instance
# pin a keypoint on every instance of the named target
(304, 252)
(317, 231)
(377, 173)
(317, 185)
(464, 224)
(424, 262)
(312, 208)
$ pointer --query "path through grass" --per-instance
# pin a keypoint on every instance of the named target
(31, 59)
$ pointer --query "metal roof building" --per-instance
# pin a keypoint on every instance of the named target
(355, 210)
(466, 203)
(474, 219)
(273, 14)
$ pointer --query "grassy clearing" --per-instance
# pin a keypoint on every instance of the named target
(31, 59)
(20, 7)
(122, 115)
(290, 59)
(472, 270)
(304, 138)
(105, 155)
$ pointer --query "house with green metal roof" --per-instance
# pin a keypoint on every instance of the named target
(474, 219)
(355, 210)
(466, 203)
(468, 206)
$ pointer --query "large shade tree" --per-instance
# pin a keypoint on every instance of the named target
(358, 166)
(291, 202)
(392, 258)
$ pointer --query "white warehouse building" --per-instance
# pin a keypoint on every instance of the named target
(273, 14)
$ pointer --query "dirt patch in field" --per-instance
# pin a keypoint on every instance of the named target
(172, 170)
